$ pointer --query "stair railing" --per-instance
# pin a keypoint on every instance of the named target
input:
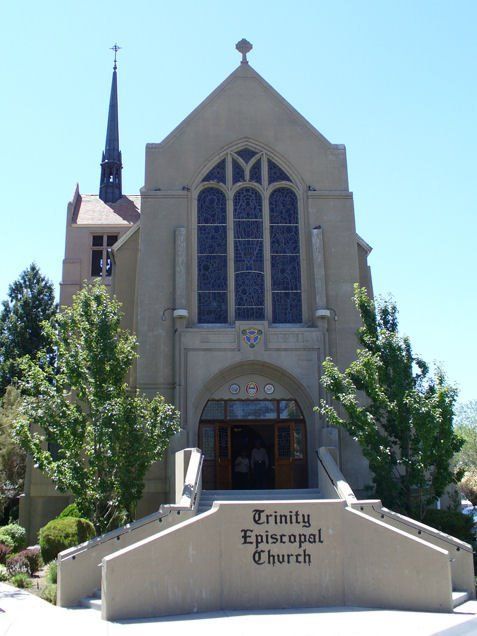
(79, 571)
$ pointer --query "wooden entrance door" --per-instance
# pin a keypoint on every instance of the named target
(283, 456)
(290, 458)
(224, 457)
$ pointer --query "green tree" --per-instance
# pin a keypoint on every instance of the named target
(102, 435)
(31, 300)
(466, 426)
(398, 411)
(12, 456)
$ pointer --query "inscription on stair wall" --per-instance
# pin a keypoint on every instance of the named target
(281, 538)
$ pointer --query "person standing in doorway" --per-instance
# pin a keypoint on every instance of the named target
(242, 471)
(259, 463)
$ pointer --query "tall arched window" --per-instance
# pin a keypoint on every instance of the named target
(285, 256)
(248, 255)
(212, 279)
(258, 191)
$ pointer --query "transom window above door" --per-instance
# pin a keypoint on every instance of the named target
(248, 242)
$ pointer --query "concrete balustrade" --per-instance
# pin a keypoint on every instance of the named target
(460, 553)
(334, 485)
(263, 555)
(79, 568)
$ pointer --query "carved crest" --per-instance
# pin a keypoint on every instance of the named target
(252, 336)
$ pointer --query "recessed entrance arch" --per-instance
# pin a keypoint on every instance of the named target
(253, 444)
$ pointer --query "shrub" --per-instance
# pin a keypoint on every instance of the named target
(3, 574)
(20, 580)
(52, 573)
(33, 557)
(17, 564)
(17, 534)
(61, 534)
(4, 552)
(6, 540)
(454, 523)
(49, 594)
(70, 511)
(468, 486)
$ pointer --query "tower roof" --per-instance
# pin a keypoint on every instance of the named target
(110, 187)
(111, 148)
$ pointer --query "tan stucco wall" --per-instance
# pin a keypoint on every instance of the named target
(221, 560)
(183, 361)
(77, 261)
(172, 352)
(124, 279)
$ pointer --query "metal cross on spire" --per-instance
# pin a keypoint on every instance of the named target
(115, 48)
(244, 47)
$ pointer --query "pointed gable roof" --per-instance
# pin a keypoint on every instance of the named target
(244, 106)
(242, 71)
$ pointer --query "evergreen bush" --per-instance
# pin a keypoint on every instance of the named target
(3, 574)
(454, 523)
(33, 558)
(61, 534)
(16, 533)
(52, 574)
(49, 594)
(17, 564)
(70, 511)
(4, 552)
(6, 540)
(20, 580)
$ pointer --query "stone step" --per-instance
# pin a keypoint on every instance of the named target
(458, 598)
(208, 497)
(303, 493)
(91, 602)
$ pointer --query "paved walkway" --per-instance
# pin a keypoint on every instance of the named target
(22, 614)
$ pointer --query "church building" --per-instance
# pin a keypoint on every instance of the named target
(235, 267)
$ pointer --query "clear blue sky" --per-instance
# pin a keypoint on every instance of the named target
(394, 81)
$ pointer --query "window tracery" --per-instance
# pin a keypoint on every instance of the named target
(249, 208)
(212, 271)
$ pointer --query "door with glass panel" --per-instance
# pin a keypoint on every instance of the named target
(290, 465)
(230, 428)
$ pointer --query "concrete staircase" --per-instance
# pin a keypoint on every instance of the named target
(208, 497)
(93, 601)
(459, 598)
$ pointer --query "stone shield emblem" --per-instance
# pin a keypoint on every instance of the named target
(252, 336)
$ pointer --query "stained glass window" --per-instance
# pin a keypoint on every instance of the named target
(246, 154)
(275, 173)
(285, 257)
(238, 173)
(256, 172)
(281, 242)
(214, 410)
(218, 173)
(251, 410)
(212, 256)
(248, 255)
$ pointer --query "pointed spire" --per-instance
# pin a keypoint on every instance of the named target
(110, 187)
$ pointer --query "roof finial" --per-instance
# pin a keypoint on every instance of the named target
(244, 47)
(115, 48)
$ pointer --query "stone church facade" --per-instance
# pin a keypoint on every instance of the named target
(235, 267)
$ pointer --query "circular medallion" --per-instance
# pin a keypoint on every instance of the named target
(234, 389)
(251, 389)
(269, 389)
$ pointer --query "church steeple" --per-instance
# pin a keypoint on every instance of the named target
(110, 187)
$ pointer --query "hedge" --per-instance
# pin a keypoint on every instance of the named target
(60, 534)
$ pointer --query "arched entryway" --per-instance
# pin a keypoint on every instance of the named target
(255, 443)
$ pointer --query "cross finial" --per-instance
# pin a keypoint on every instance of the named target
(244, 47)
(115, 48)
